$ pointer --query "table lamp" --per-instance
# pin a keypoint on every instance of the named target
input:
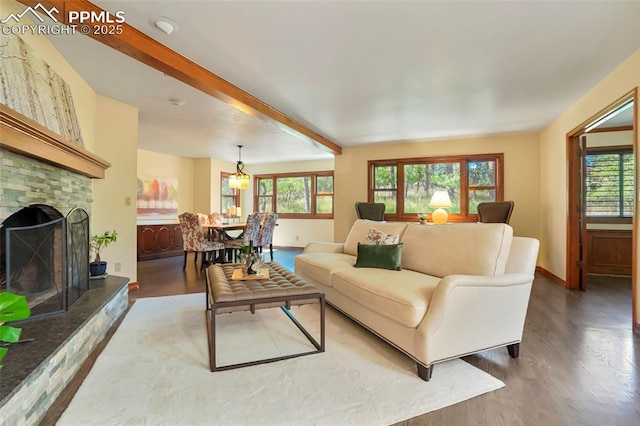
(440, 199)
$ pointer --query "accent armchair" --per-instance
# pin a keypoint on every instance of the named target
(495, 212)
(370, 211)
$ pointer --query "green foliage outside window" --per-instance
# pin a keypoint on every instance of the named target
(294, 195)
(411, 183)
(307, 194)
(609, 184)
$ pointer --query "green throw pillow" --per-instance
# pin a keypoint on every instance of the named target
(379, 256)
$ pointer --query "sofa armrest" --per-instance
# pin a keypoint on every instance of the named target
(469, 313)
(323, 247)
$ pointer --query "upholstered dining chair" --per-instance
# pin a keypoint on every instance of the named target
(251, 233)
(371, 211)
(495, 212)
(194, 240)
(216, 218)
(252, 230)
(203, 218)
(266, 232)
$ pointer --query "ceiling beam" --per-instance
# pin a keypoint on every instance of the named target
(143, 48)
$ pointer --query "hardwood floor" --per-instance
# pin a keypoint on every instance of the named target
(578, 361)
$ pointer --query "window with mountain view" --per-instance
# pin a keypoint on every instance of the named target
(609, 176)
(405, 186)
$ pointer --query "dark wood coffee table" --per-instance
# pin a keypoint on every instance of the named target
(281, 289)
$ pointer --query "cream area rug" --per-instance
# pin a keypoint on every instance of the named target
(155, 371)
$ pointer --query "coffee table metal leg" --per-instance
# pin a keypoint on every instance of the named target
(211, 331)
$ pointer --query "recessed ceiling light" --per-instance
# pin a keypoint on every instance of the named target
(163, 24)
(176, 102)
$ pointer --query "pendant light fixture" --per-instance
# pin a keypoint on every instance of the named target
(239, 180)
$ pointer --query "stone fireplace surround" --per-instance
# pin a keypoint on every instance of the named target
(36, 372)
(39, 166)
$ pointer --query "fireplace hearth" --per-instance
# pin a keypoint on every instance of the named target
(44, 257)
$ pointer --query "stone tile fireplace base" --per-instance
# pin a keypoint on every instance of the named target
(35, 373)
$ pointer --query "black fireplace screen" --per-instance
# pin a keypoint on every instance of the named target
(77, 254)
(45, 257)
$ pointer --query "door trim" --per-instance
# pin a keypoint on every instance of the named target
(573, 205)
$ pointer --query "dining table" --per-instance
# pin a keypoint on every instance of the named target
(224, 228)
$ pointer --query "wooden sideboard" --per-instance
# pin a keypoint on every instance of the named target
(158, 241)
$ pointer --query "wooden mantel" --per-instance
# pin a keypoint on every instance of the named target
(20, 134)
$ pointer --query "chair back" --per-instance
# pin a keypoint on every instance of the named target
(193, 238)
(216, 218)
(266, 232)
(371, 211)
(252, 230)
(495, 212)
(203, 218)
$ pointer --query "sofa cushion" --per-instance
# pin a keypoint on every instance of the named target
(317, 267)
(457, 248)
(402, 297)
(381, 256)
(360, 231)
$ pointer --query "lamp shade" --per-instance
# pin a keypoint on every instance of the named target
(440, 199)
(239, 180)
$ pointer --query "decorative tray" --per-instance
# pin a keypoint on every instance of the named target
(238, 275)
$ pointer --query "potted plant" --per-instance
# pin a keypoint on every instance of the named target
(96, 244)
(423, 218)
(13, 307)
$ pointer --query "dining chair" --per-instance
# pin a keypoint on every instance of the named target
(194, 240)
(266, 232)
(251, 234)
(216, 218)
(252, 230)
(495, 212)
(371, 211)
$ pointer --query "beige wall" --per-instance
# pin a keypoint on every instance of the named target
(292, 232)
(114, 197)
(202, 185)
(620, 138)
(553, 157)
(163, 165)
(521, 174)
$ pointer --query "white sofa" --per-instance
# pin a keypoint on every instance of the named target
(463, 287)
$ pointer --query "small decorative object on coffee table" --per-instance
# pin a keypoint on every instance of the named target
(422, 217)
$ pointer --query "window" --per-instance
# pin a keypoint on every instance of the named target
(609, 182)
(405, 186)
(229, 196)
(295, 195)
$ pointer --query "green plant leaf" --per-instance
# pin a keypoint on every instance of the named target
(13, 307)
(9, 334)
(3, 352)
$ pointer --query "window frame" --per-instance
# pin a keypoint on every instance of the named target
(314, 194)
(223, 196)
(463, 160)
(620, 150)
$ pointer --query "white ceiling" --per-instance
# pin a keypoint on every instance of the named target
(360, 72)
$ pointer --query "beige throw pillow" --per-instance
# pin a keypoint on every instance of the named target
(377, 237)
